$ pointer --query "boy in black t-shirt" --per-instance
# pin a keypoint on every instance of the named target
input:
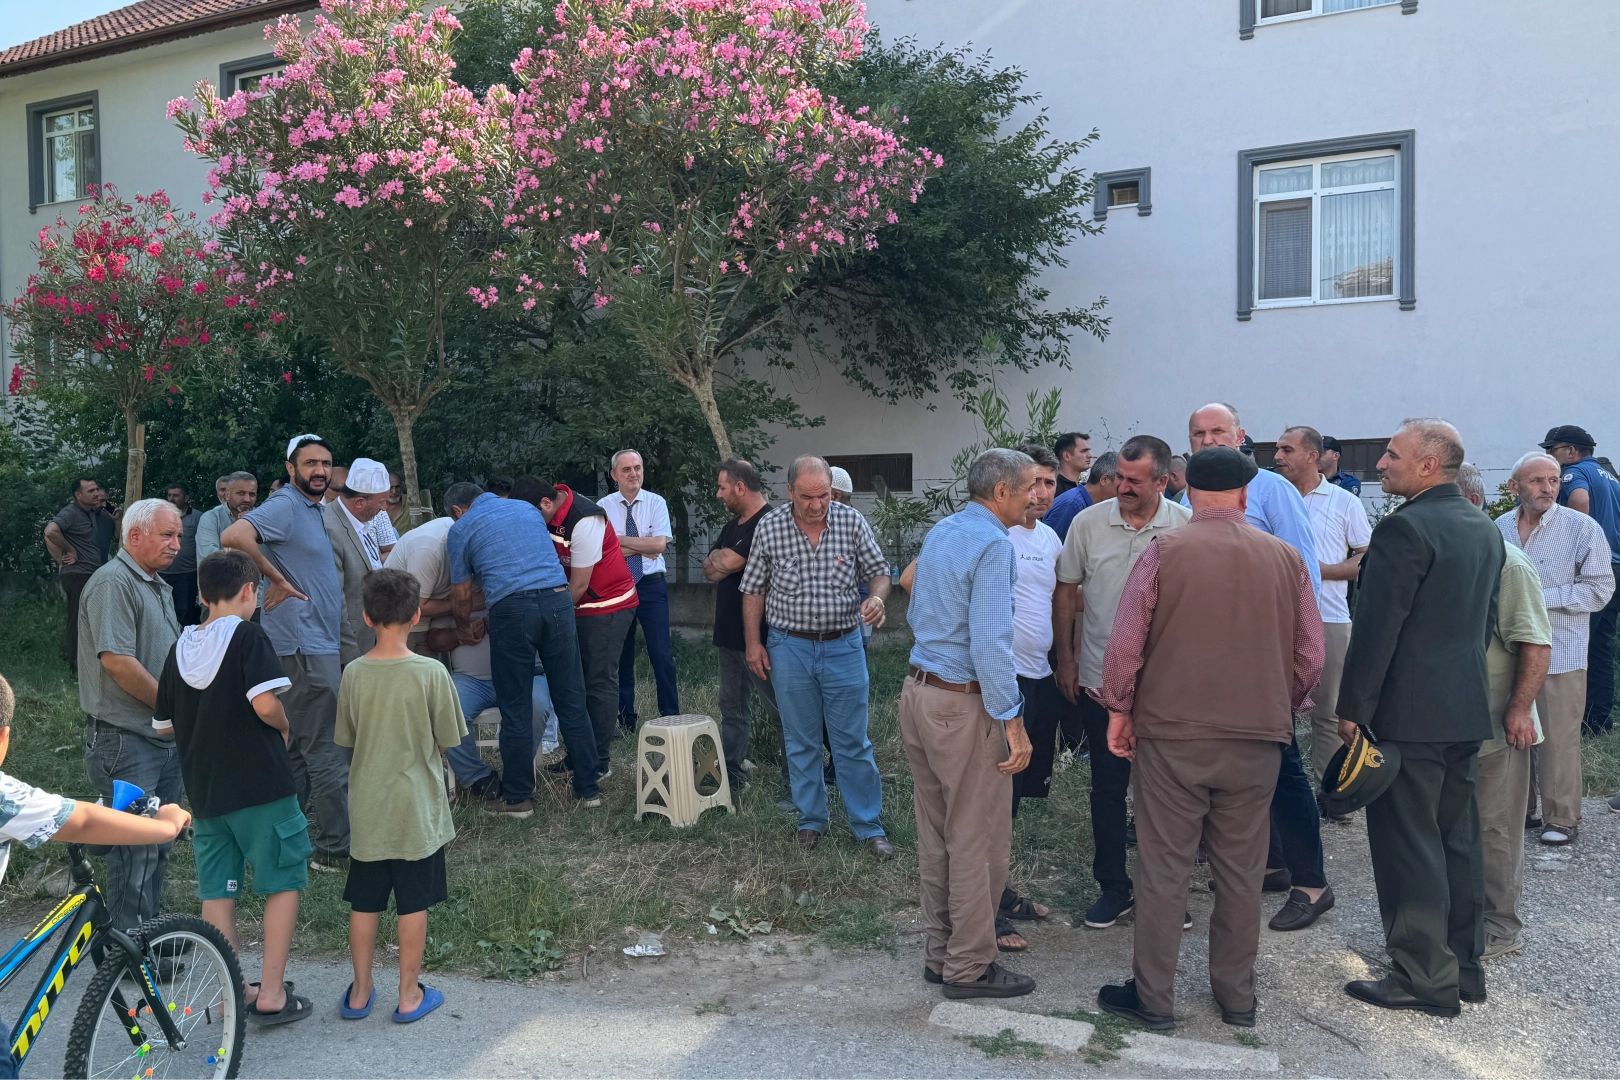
(218, 692)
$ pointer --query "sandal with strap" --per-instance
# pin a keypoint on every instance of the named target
(1005, 929)
(1014, 906)
(296, 1008)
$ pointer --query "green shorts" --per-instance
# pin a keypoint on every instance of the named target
(273, 837)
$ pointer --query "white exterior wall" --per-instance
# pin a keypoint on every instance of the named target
(1517, 118)
(140, 146)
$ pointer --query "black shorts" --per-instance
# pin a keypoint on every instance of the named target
(417, 884)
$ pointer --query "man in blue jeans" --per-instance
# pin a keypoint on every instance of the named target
(641, 520)
(501, 547)
(801, 577)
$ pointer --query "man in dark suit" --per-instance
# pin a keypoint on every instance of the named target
(1415, 677)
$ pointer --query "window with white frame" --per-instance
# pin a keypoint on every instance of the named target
(1280, 9)
(1327, 230)
(69, 140)
(248, 73)
(250, 80)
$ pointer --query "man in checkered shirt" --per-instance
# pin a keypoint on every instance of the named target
(802, 581)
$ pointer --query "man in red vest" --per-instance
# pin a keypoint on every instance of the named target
(604, 596)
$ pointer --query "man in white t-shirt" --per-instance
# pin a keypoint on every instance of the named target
(1339, 526)
(421, 553)
(1037, 547)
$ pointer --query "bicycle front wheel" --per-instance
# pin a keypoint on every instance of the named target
(115, 1034)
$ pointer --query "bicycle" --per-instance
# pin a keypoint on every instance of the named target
(126, 1024)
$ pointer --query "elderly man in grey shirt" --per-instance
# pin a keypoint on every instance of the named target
(303, 612)
(126, 627)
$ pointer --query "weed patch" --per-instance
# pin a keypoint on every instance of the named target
(1005, 1043)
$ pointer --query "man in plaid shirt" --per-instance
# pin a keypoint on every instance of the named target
(802, 578)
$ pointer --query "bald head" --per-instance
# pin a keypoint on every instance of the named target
(1216, 424)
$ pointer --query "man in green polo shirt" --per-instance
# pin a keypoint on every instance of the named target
(126, 627)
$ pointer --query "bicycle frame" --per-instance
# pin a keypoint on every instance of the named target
(84, 913)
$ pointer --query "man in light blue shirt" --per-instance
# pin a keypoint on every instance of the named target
(961, 715)
(502, 548)
(1295, 860)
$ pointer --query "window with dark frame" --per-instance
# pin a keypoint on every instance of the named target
(864, 469)
(1124, 194)
(1122, 188)
(1263, 12)
(64, 149)
(246, 74)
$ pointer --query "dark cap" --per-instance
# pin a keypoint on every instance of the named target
(1358, 774)
(1220, 468)
(1330, 443)
(1570, 434)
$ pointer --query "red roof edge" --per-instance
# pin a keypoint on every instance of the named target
(157, 36)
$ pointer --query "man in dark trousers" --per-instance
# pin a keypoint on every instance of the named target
(1415, 677)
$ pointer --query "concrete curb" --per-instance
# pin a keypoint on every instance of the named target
(1146, 1049)
(990, 1020)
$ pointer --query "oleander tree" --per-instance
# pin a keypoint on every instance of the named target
(361, 190)
(127, 299)
(675, 162)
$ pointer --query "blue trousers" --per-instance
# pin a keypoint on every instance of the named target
(823, 684)
(1296, 827)
(539, 622)
(134, 874)
(477, 695)
(653, 616)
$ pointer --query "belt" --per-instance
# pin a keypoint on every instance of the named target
(830, 635)
(928, 678)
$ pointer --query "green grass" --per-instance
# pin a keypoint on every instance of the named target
(1107, 1035)
(1005, 1043)
(1249, 1039)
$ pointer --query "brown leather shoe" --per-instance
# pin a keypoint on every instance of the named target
(808, 839)
(881, 848)
(996, 982)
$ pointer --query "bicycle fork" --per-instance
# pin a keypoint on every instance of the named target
(140, 967)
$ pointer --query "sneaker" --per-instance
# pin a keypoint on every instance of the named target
(591, 803)
(517, 811)
(604, 774)
(1108, 909)
(329, 861)
(1495, 948)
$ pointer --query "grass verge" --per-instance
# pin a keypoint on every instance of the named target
(1005, 1043)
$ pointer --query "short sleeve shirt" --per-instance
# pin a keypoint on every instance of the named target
(1098, 555)
(292, 534)
(813, 590)
(1521, 619)
(738, 536)
(1339, 526)
(89, 533)
(1037, 551)
(398, 715)
(229, 758)
(123, 610)
(1603, 494)
(28, 815)
(504, 545)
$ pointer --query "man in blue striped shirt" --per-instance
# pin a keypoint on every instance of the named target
(961, 715)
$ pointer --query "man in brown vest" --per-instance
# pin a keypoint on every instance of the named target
(1216, 644)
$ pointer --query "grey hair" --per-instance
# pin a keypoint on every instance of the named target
(1535, 456)
(613, 462)
(808, 463)
(1310, 440)
(144, 514)
(1471, 482)
(1438, 439)
(1105, 466)
(240, 476)
(994, 467)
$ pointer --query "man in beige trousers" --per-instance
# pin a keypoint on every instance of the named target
(961, 715)
(1571, 555)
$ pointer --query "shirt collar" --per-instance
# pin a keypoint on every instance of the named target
(983, 511)
(1219, 513)
(359, 526)
(1324, 488)
(1161, 514)
(130, 562)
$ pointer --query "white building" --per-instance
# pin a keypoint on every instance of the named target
(1353, 214)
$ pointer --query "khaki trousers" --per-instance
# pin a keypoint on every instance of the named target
(964, 824)
(1502, 787)
(1560, 704)
(1220, 790)
(1325, 740)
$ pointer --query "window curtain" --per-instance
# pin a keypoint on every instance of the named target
(1271, 8)
(1358, 245)
(1285, 250)
(1330, 6)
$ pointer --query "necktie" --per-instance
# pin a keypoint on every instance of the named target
(633, 561)
(373, 552)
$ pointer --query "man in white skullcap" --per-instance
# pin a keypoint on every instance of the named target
(355, 549)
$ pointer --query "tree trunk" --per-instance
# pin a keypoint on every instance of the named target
(135, 462)
(404, 421)
(702, 387)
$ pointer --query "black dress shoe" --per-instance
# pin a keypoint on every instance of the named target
(1386, 993)
(1238, 1019)
(1277, 881)
(1299, 912)
(932, 976)
(1123, 1001)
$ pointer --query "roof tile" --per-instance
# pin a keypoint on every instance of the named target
(163, 19)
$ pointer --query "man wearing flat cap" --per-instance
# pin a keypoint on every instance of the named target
(1216, 644)
(1585, 485)
(355, 547)
(1416, 678)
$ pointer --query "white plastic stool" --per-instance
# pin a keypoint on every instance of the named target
(489, 718)
(670, 764)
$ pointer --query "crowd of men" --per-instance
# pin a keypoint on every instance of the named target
(1167, 615)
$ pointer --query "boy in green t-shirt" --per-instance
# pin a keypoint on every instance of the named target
(399, 711)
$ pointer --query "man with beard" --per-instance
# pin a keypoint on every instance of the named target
(303, 614)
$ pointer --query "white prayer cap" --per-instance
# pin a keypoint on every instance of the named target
(367, 477)
(299, 440)
(841, 480)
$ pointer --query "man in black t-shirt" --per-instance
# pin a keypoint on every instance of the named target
(743, 493)
(79, 538)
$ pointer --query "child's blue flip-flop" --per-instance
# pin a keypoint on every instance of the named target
(431, 999)
(356, 1014)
